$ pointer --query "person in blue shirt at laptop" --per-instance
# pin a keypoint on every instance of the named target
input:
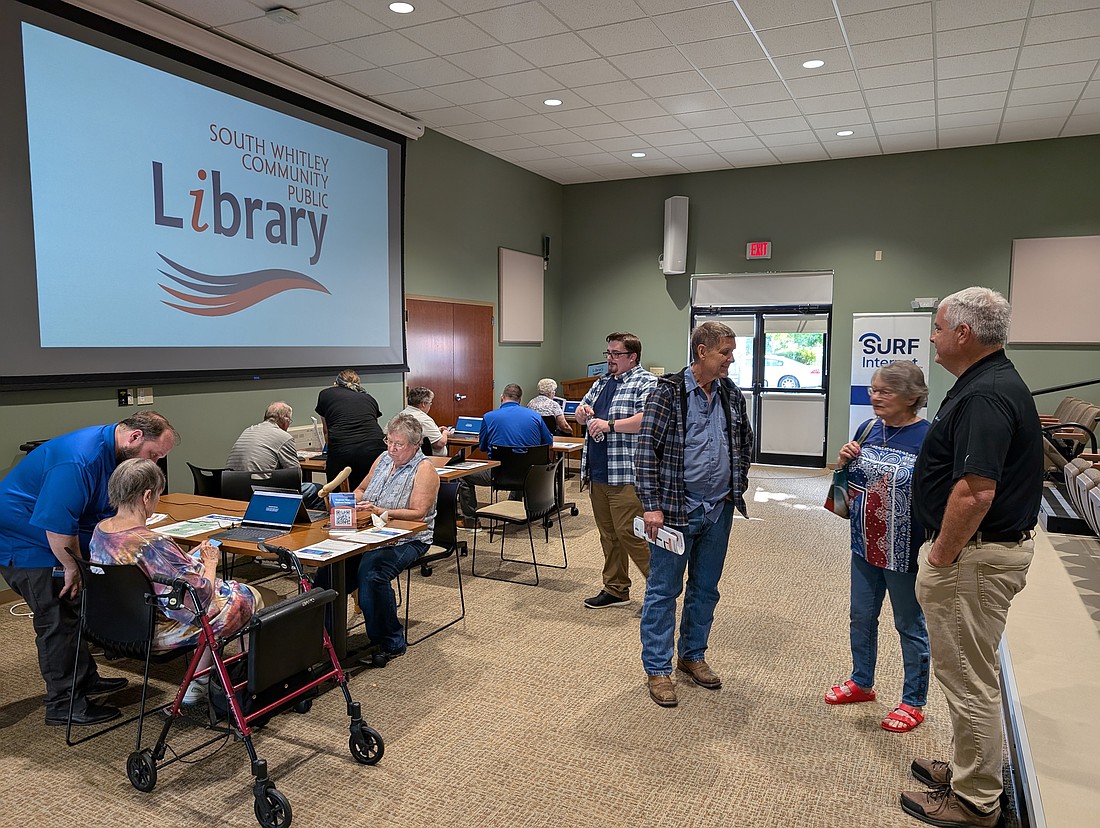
(51, 503)
(511, 425)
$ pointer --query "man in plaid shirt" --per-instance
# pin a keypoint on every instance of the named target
(693, 461)
(612, 413)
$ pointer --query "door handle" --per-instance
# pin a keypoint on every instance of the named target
(459, 397)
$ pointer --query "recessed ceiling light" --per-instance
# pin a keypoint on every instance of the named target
(401, 8)
(552, 102)
(280, 14)
(813, 64)
(844, 133)
(637, 155)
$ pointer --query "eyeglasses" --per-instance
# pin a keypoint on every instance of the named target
(615, 354)
(881, 392)
(394, 444)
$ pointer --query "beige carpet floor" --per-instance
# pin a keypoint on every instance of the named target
(534, 711)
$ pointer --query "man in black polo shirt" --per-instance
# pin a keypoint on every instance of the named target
(976, 488)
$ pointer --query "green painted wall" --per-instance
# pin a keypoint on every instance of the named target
(944, 220)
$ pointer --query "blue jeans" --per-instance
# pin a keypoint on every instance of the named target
(704, 556)
(869, 586)
(376, 570)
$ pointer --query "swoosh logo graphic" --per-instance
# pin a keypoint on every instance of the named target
(225, 295)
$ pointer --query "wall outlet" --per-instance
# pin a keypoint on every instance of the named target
(145, 396)
(878, 255)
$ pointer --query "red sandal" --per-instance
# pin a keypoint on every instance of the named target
(902, 718)
(848, 693)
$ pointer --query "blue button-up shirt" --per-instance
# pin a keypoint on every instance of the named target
(706, 450)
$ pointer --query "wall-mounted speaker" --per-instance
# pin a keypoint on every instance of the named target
(674, 259)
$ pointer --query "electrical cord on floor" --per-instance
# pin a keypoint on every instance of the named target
(15, 606)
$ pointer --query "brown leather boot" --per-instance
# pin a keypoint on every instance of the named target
(700, 673)
(662, 690)
(931, 772)
(940, 806)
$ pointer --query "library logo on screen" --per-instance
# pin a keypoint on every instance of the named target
(223, 295)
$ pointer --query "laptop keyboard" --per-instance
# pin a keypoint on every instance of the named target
(244, 533)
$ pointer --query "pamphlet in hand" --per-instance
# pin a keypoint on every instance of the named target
(670, 539)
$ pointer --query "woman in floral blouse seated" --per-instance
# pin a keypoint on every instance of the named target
(134, 491)
(547, 406)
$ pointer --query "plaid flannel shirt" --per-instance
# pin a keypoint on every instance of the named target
(660, 456)
(629, 399)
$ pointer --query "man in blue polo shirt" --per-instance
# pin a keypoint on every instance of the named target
(50, 503)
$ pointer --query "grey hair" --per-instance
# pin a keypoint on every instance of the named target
(419, 395)
(407, 427)
(708, 334)
(547, 387)
(985, 311)
(905, 379)
(131, 479)
(279, 412)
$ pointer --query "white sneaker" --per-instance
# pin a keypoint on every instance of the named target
(197, 691)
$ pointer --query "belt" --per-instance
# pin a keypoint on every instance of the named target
(979, 538)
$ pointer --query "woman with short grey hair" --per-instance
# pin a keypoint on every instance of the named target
(419, 405)
(545, 405)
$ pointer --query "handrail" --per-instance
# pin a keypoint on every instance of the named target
(1066, 387)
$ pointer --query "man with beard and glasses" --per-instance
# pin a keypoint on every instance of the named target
(49, 504)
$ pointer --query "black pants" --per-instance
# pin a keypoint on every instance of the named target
(56, 624)
(467, 497)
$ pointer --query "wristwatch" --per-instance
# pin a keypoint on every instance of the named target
(611, 426)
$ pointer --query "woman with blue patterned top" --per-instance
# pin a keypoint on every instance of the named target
(885, 541)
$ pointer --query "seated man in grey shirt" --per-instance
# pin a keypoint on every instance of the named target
(267, 446)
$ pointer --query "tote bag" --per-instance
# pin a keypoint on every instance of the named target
(839, 497)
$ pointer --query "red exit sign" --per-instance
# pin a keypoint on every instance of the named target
(758, 250)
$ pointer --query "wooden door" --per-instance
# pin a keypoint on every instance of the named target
(450, 349)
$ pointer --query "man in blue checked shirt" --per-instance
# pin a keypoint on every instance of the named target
(612, 413)
(693, 462)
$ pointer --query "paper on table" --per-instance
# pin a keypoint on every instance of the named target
(375, 535)
(196, 526)
(326, 549)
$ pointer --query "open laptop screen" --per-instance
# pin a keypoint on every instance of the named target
(570, 407)
(274, 509)
(468, 425)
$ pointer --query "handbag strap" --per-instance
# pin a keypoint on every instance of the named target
(867, 431)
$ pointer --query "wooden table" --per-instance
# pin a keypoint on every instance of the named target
(180, 506)
(317, 465)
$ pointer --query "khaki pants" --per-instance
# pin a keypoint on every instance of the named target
(966, 607)
(614, 508)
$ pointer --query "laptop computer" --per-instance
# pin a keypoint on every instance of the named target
(460, 457)
(468, 426)
(560, 401)
(269, 515)
(570, 407)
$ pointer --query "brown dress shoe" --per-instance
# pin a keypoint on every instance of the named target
(700, 673)
(940, 806)
(931, 772)
(662, 690)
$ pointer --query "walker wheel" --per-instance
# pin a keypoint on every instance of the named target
(366, 745)
(304, 706)
(273, 809)
(574, 511)
(141, 769)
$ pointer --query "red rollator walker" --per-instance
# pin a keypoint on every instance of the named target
(283, 666)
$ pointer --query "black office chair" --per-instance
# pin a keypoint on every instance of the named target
(237, 485)
(446, 539)
(426, 447)
(208, 482)
(514, 462)
(551, 424)
(538, 504)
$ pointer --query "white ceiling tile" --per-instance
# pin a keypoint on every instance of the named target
(703, 163)
(652, 62)
(768, 14)
(972, 103)
(467, 92)
(577, 176)
(979, 38)
(1052, 54)
(584, 14)
(575, 148)
(1087, 106)
(426, 12)
(1030, 130)
(748, 142)
(569, 100)
(626, 144)
(661, 167)
(679, 83)
(804, 37)
(450, 116)
(503, 142)
(779, 125)
(485, 63)
(585, 72)
(695, 102)
(968, 136)
(619, 38)
(724, 132)
(522, 21)
(895, 50)
(579, 117)
(688, 150)
(895, 112)
(446, 37)
(839, 120)
(723, 52)
(327, 59)
(460, 6)
(599, 159)
(1092, 89)
(890, 23)
(908, 142)
(373, 82)
(862, 135)
(596, 132)
(901, 94)
(494, 110)
(789, 139)
(851, 149)
(831, 103)
(631, 110)
(768, 111)
(861, 6)
(982, 63)
(334, 20)
(824, 85)
(1082, 125)
(271, 37)
(553, 138)
(527, 123)
(1046, 94)
(413, 100)
(756, 93)
(969, 119)
(973, 85)
(707, 118)
(608, 93)
(1040, 7)
(386, 48)
(703, 23)
(951, 14)
(661, 123)
(1063, 26)
(740, 74)
(905, 125)
(531, 82)
(1034, 112)
(213, 13)
(665, 139)
(430, 72)
(1049, 75)
(902, 73)
(800, 153)
(483, 129)
(836, 60)
(529, 154)
(553, 51)
(750, 158)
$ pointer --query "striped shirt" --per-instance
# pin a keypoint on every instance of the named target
(263, 447)
(630, 398)
(394, 491)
